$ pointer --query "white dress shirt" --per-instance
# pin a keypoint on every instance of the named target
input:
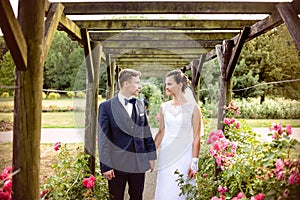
(127, 107)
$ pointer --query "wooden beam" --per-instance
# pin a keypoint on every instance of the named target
(170, 59)
(165, 7)
(13, 35)
(236, 52)
(51, 23)
(143, 51)
(70, 28)
(165, 35)
(154, 56)
(88, 54)
(291, 20)
(163, 44)
(265, 25)
(164, 24)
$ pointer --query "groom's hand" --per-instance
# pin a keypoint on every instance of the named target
(109, 174)
(151, 164)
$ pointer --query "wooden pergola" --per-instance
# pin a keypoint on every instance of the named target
(153, 46)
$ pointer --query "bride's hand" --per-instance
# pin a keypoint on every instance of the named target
(191, 173)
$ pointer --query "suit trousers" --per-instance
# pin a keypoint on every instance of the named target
(135, 185)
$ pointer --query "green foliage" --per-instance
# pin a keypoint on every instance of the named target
(71, 94)
(270, 109)
(63, 62)
(7, 73)
(80, 95)
(5, 95)
(153, 95)
(3, 47)
(53, 95)
(254, 168)
(69, 173)
(209, 82)
(44, 96)
(270, 57)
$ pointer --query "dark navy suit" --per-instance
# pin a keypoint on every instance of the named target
(124, 145)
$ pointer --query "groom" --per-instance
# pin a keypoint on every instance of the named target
(125, 143)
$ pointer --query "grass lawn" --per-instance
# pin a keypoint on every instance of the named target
(77, 119)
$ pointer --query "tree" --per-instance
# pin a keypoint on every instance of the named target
(3, 47)
(7, 73)
(63, 62)
(271, 57)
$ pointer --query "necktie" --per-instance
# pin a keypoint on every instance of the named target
(133, 115)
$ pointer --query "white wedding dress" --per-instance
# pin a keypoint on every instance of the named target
(175, 152)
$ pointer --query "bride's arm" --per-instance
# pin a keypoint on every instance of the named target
(161, 130)
(196, 122)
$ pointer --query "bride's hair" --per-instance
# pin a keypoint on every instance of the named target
(180, 77)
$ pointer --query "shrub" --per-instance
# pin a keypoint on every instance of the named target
(5, 95)
(235, 164)
(44, 96)
(53, 95)
(153, 96)
(81, 95)
(72, 178)
(71, 94)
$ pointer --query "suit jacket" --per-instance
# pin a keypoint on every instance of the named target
(124, 145)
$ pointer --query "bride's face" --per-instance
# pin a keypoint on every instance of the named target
(171, 87)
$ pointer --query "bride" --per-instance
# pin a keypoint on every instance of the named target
(178, 137)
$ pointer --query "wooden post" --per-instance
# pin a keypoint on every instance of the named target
(196, 73)
(28, 104)
(291, 20)
(111, 65)
(91, 112)
(224, 55)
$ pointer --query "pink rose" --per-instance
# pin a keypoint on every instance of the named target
(5, 195)
(7, 185)
(222, 190)
(42, 194)
(289, 129)
(227, 121)
(89, 182)
(294, 179)
(5, 174)
(57, 146)
(260, 196)
(214, 136)
(286, 193)
(279, 164)
(277, 128)
(241, 195)
(238, 125)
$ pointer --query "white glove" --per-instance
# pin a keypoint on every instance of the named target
(194, 164)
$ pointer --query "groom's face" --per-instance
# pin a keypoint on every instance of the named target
(134, 85)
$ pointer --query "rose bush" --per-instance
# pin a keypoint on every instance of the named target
(235, 164)
(6, 183)
(72, 178)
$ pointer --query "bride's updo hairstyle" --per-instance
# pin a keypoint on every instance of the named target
(179, 77)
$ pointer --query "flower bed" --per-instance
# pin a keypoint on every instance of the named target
(234, 164)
